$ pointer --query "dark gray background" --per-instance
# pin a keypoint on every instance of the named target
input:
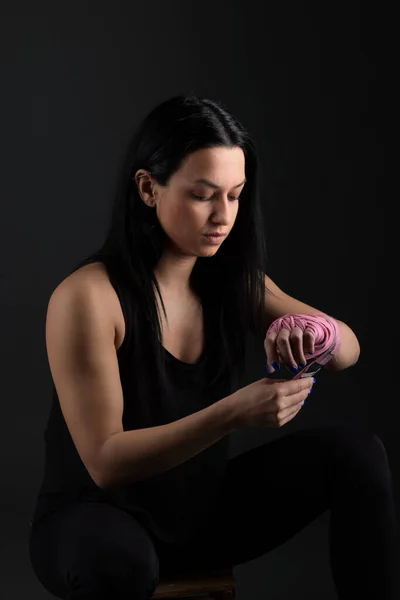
(307, 80)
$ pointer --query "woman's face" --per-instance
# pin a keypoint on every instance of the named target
(201, 197)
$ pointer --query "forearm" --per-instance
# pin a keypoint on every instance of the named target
(349, 350)
(132, 455)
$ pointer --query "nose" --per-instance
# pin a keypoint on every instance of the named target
(223, 211)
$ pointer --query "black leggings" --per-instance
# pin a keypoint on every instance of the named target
(92, 550)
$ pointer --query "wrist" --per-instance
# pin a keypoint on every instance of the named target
(230, 413)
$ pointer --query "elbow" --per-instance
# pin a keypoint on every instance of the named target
(349, 353)
(355, 351)
(343, 360)
(98, 470)
(357, 355)
(103, 470)
(100, 478)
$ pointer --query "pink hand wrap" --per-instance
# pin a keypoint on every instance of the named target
(326, 332)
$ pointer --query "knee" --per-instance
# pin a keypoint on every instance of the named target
(362, 455)
(118, 576)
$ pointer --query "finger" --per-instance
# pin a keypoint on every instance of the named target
(296, 401)
(270, 351)
(295, 387)
(308, 341)
(283, 343)
(285, 418)
(297, 344)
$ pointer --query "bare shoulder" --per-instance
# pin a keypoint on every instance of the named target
(93, 274)
(93, 279)
(80, 342)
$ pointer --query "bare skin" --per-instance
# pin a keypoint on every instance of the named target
(85, 326)
(186, 218)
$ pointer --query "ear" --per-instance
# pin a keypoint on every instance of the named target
(145, 187)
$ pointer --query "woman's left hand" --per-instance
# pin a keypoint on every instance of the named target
(288, 347)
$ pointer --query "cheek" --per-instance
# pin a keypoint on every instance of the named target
(180, 218)
(185, 214)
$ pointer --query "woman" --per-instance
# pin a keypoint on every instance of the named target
(145, 340)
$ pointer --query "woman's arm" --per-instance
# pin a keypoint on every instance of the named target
(279, 304)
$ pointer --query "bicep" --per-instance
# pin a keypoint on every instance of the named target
(84, 366)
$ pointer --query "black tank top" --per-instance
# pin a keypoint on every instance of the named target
(173, 506)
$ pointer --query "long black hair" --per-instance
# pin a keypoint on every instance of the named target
(231, 283)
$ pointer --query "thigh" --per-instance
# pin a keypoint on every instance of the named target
(91, 536)
(272, 492)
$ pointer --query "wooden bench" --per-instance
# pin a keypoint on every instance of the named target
(215, 585)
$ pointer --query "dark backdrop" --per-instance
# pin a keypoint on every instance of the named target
(306, 79)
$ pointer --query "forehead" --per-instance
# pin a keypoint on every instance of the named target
(219, 164)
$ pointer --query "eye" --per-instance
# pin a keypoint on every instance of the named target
(202, 198)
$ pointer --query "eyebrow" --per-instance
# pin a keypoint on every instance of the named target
(213, 185)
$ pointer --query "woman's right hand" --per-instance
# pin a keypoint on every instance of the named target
(269, 402)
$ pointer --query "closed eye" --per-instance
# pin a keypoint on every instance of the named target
(202, 198)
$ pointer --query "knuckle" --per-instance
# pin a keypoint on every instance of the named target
(280, 416)
(296, 334)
